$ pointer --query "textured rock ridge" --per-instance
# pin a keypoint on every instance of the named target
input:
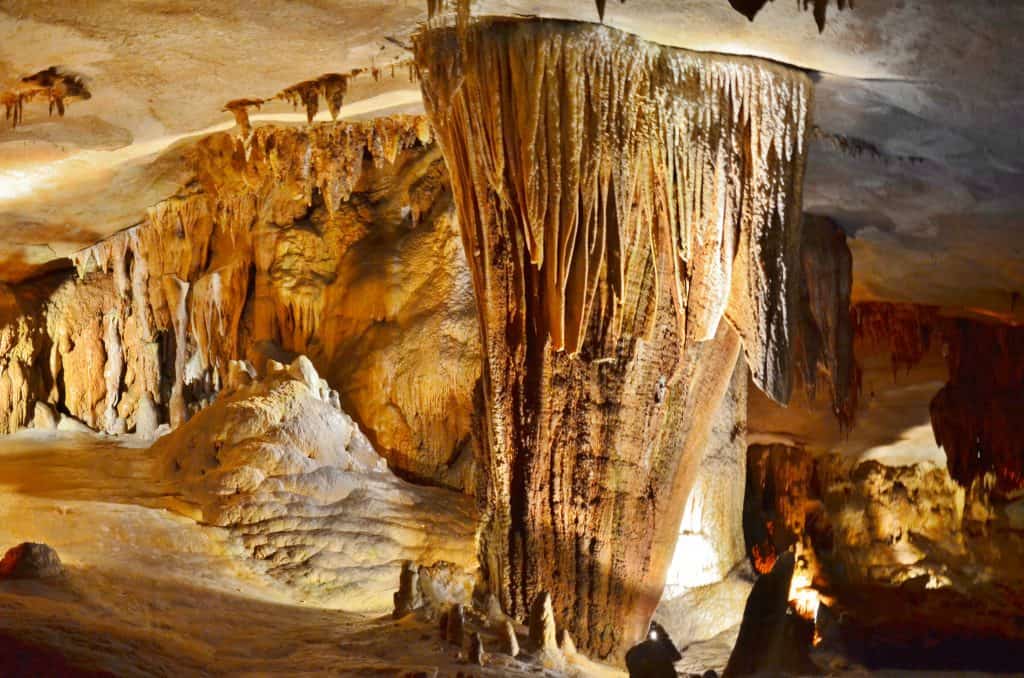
(617, 201)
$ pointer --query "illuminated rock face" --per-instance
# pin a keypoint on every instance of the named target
(618, 201)
(338, 241)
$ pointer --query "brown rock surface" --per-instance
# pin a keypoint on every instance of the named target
(601, 301)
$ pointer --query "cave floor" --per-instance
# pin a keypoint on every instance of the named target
(150, 592)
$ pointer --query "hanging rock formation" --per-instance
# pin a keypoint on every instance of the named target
(978, 417)
(824, 342)
(618, 201)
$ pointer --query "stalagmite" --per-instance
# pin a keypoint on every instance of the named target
(509, 638)
(112, 373)
(338, 240)
(476, 650)
(408, 598)
(618, 200)
(542, 623)
(455, 625)
(44, 418)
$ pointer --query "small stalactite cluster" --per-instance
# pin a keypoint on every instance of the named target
(978, 416)
(750, 8)
(56, 85)
(904, 331)
(631, 218)
(331, 87)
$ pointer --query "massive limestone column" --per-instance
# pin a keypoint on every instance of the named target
(631, 217)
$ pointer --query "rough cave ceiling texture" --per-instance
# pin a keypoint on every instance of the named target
(917, 152)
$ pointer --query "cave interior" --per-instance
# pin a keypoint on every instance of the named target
(511, 337)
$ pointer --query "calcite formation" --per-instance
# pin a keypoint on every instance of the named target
(708, 580)
(631, 218)
(278, 464)
(338, 241)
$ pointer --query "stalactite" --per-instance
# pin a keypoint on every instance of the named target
(978, 417)
(56, 85)
(216, 304)
(779, 478)
(750, 8)
(306, 94)
(176, 290)
(113, 372)
(338, 238)
(824, 342)
(617, 200)
(240, 109)
(722, 238)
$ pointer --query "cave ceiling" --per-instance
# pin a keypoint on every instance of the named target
(916, 150)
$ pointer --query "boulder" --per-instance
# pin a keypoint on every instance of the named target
(31, 561)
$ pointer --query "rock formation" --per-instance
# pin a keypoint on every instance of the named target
(337, 241)
(57, 86)
(30, 561)
(617, 201)
(542, 624)
(510, 639)
(771, 640)
(306, 494)
(707, 583)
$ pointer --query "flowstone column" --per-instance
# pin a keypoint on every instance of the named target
(631, 217)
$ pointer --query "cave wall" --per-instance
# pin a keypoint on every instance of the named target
(338, 241)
